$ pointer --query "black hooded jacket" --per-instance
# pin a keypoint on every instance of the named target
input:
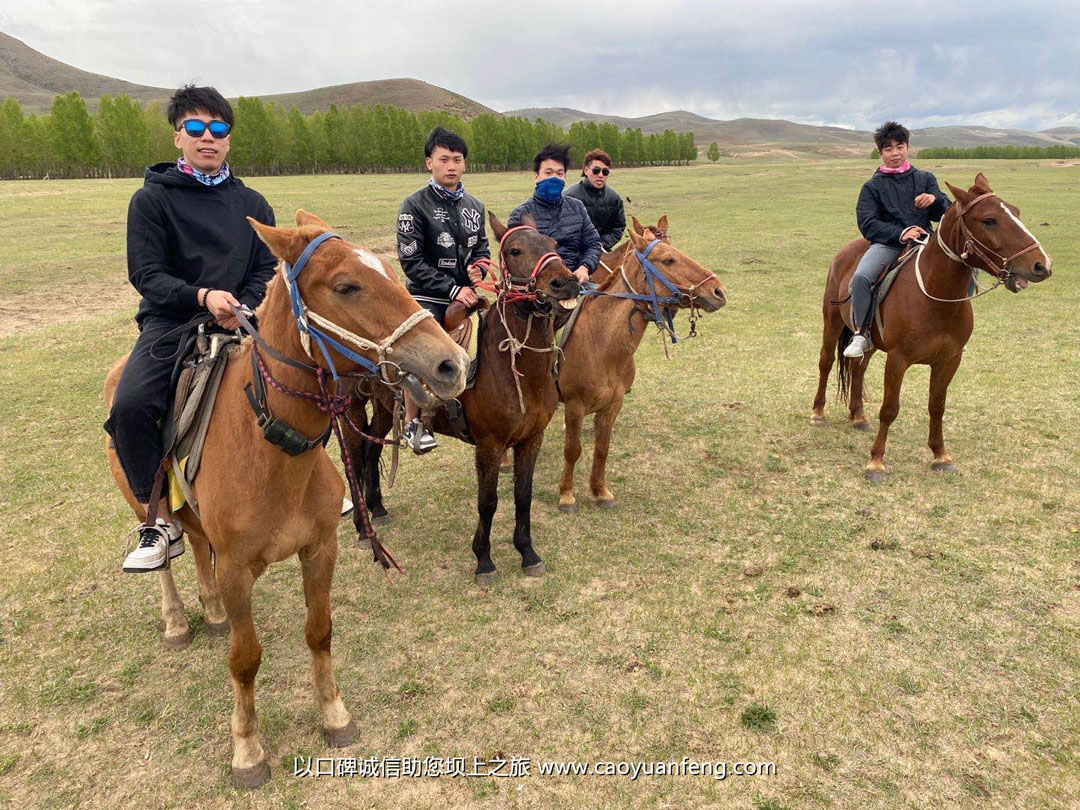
(886, 206)
(605, 208)
(183, 235)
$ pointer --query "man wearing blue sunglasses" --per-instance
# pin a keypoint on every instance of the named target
(189, 250)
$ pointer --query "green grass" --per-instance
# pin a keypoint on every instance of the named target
(928, 659)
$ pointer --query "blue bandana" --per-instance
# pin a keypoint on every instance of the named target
(449, 196)
(551, 189)
(206, 179)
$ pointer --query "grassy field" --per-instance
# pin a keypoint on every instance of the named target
(910, 645)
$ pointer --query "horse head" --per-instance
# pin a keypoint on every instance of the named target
(697, 284)
(987, 233)
(659, 230)
(528, 254)
(353, 293)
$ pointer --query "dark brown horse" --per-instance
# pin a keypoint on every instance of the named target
(927, 318)
(258, 505)
(597, 368)
(513, 396)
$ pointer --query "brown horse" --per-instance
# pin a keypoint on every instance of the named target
(597, 368)
(614, 258)
(258, 505)
(927, 318)
(513, 396)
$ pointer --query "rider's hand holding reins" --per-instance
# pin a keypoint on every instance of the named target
(582, 273)
(218, 303)
(467, 296)
(924, 200)
(914, 232)
(476, 275)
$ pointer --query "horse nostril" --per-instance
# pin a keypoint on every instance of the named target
(1040, 270)
(447, 370)
(558, 283)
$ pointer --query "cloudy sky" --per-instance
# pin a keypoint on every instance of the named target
(846, 62)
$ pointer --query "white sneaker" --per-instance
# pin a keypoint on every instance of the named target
(418, 439)
(155, 542)
(346, 506)
(859, 345)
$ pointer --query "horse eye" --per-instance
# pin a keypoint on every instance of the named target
(347, 289)
(668, 260)
(989, 221)
(515, 252)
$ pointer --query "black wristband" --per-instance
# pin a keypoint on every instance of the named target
(205, 295)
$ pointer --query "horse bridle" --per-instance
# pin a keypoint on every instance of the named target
(504, 283)
(996, 264)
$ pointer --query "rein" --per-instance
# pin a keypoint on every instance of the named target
(507, 286)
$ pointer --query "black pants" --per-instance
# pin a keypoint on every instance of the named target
(141, 398)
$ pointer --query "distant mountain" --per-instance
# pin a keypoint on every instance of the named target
(411, 94)
(34, 79)
(751, 135)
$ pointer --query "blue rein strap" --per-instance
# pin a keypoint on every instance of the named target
(292, 273)
(663, 319)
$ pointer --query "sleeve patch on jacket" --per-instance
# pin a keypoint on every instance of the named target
(407, 249)
(405, 223)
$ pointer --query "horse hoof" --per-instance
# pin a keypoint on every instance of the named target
(861, 425)
(340, 737)
(874, 476)
(381, 520)
(534, 570)
(251, 778)
(485, 578)
(568, 508)
(363, 543)
(608, 503)
(219, 629)
(177, 641)
(817, 421)
(943, 467)
(506, 468)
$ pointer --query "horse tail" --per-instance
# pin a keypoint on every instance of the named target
(843, 365)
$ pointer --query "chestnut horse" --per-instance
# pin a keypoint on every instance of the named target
(513, 396)
(927, 317)
(258, 505)
(613, 259)
(597, 367)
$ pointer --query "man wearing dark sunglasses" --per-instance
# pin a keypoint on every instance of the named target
(189, 250)
(604, 205)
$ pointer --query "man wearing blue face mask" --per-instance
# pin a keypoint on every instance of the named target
(563, 218)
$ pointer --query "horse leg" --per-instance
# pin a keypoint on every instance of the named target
(487, 500)
(940, 377)
(381, 424)
(574, 416)
(177, 636)
(214, 617)
(235, 582)
(317, 566)
(895, 367)
(603, 423)
(834, 324)
(855, 396)
(524, 466)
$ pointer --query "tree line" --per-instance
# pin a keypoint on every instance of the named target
(1001, 152)
(123, 137)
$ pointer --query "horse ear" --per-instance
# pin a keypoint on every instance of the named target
(639, 240)
(307, 218)
(496, 227)
(527, 219)
(981, 183)
(638, 228)
(961, 196)
(284, 243)
(662, 224)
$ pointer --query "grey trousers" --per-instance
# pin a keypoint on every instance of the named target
(870, 265)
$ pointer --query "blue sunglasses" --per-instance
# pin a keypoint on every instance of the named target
(195, 128)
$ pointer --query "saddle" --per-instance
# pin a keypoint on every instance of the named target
(194, 394)
(881, 288)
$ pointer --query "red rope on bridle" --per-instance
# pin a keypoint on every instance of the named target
(509, 287)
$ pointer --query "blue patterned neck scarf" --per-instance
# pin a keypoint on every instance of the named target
(449, 196)
(205, 179)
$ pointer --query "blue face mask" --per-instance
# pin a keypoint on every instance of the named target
(550, 189)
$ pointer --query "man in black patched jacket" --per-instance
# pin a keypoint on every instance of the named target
(440, 234)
